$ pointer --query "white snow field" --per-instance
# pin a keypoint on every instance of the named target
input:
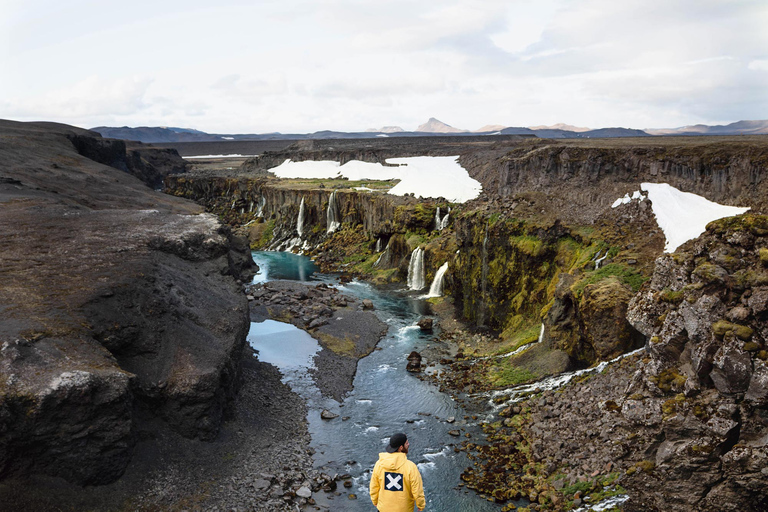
(424, 176)
(682, 216)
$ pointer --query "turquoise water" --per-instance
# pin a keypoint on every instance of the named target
(283, 265)
(386, 399)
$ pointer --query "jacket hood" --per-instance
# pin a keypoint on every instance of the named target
(392, 461)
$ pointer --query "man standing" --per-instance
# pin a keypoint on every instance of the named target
(396, 483)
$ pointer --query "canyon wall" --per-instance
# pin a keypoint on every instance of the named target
(120, 307)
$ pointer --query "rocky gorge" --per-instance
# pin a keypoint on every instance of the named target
(124, 314)
(542, 256)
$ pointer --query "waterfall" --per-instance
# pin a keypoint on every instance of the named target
(518, 393)
(386, 249)
(441, 224)
(444, 222)
(483, 280)
(416, 269)
(600, 260)
(541, 333)
(300, 221)
(262, 204)
(378, 245)
(436, 290)
(333, 214)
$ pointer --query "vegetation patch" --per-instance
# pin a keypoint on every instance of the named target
(625, 274)
(345, 346)
(503, 374)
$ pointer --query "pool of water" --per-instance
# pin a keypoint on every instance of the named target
(386, 399)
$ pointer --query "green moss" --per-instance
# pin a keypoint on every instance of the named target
(722, 327)
(751, 346)
(342, 346)
(504, 375)
(670, 297)
(517, 336)
(625, 274)
(669, 380)
(528, 245)
(763, 253)
(266, 235)
(709, 273)
(646, 466)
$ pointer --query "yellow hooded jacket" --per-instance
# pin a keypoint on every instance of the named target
(396, 484)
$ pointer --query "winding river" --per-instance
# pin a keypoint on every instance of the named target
(386, 399)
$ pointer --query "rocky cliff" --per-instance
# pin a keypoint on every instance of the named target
(118, 304)
(682, 424)
(580, 179)
(706, 385)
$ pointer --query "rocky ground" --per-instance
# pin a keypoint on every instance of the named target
(679, 426)
(259, 461)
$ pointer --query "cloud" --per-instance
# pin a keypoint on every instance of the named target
(305, 65)
(92, 96)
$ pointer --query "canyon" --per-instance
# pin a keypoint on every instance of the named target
(123, 307)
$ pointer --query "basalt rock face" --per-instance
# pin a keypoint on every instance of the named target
(240, 200)
(147, 163)
(509, 273)
(118, 303)
(583, 178)
(704, 313)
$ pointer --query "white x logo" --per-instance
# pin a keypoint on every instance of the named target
(394, 482)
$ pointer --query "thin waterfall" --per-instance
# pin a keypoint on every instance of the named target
(300, 220)
(416, 270)
(436, 290)
(600, 260)
(483, 280)
(333, 214)
(444, 222)
(262, 204)
(441, 224)
(378, 245)
(386, 249)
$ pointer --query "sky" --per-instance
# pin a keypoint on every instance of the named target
(299, 66)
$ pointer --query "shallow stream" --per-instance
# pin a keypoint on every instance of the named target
(386, 399)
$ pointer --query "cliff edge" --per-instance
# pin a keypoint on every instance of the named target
(118, 303)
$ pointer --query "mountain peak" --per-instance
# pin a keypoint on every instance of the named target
(437, 126)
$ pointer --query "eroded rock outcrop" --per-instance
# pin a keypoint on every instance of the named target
(118, 303)
(704, 314)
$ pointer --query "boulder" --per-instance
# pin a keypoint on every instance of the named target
(328, 415)
(414, 362)
(425, 324)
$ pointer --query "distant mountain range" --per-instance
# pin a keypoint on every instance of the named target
(433, 127)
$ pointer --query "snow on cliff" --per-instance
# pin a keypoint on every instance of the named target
(682, 216)
(423, 176)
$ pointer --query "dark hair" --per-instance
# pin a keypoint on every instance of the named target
(396, 441)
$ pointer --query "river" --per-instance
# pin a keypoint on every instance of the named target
(385, 399)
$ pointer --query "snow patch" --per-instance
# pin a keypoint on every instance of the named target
(423, 176)
(683, 216)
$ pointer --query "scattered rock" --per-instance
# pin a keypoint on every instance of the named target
(414, 362)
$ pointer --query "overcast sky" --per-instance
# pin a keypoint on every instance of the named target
(236, 66)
